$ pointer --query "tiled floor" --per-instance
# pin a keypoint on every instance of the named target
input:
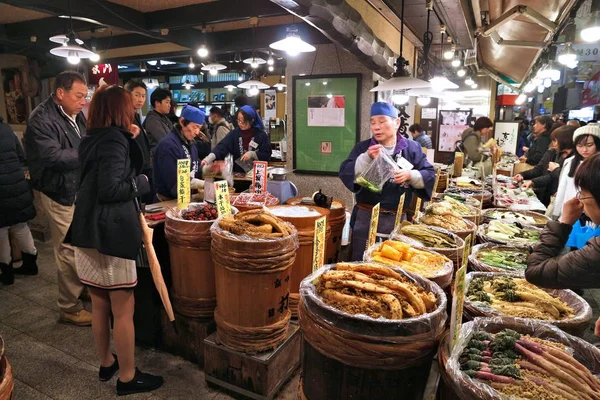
(52, 360)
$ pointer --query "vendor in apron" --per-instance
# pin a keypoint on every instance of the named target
(417, 176)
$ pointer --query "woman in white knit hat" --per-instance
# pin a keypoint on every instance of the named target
(587, 143)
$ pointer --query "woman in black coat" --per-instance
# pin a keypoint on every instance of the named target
(16, 207)
(106, 232)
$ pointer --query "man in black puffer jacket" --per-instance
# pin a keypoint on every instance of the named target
(54, 131)
(16, 207)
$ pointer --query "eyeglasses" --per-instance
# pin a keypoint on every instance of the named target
(240, 121)
(578, 197)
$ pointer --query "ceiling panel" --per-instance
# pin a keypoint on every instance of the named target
(157, 5)
(10, 14)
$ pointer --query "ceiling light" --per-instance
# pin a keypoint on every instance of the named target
(541, 88)
(230, 88)
(255, 61)
(63, 39)
(270, 61)
(253, 82)
(449, 54)
(461, 72)
(188, 85)
(253, 91)
(152, 62)
(282, 76)
(521, 99)
(142, 67)
(240, 78)
(568, 55)
(474, 86)
(400, 97)
(547, 82)
(325, 83)
(213, 68)
(529, 88)
(280, 86)
(329, 95)
(456, 61)
(307, 84)
(95, 57)
(572, 65)
(91, 21)
(271, 69)
(150, 82)
(423, 100)
(469, 81)
(537, 81)
(73, 57)
(440, 82)
(203, 51)
(591, 30)
(293, 43)
(191, 64)
(72, 51)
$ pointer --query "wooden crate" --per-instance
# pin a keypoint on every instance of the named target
(188, 342)
(259, 376)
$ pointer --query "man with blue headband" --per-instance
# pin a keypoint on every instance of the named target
(416, 176)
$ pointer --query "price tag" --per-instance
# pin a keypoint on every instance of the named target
(417, 209)
(459, 158)
(438, 172)
(222, 197)
(183, 183)
(466, 251)
(259, 177)
(373, 226)
(399, 211)
(319, 241)
(458, 301)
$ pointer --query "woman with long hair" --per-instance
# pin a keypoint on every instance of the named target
(106, 232)
(587, 143)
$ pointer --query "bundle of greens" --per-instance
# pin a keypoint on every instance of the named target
(504, 258)
(519, 366)
(506, 233)
(368, 185)
(427, 236)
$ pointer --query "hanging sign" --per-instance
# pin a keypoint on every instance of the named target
(373, 225)
(103, 74)
(183, 183)
(319, 243)
(259, 177)
(399, 211)
(222, 197)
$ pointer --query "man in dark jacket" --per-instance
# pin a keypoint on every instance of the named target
(177, 145)
(420, 136)
(54, 131)
(541, 131)
(157, 123)
(417, 175)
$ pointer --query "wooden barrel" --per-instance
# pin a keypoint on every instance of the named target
(336, 222)
(304, 256)
(7, 381)
(252, 278)
(193, 274)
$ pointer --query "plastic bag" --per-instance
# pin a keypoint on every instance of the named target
(480, 266)
(467, 388)
(247, 165)
(581, 234)
(227, 170)
(381, 170)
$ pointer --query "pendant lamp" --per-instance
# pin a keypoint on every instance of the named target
(293, 43)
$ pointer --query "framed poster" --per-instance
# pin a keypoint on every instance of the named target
(14, 96)
(326, 121)
(506, 134)
(270, 104)
(452, 124)
(428, 113)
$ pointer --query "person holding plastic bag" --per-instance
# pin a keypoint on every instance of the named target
(546, 267)
(412, 173)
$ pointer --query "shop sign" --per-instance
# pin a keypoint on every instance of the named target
(183, 183)
(585, 51)
(399, 211)
(591, 91)
(373, 225)
(319, 243)
(100, 74)
(259, 177)
(222, 197)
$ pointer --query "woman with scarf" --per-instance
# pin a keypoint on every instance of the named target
(417, 175)
(246, 143)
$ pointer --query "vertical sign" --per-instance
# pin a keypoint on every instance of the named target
(270, 104)
(458, 299)
(417, 209)
(438, 172)
(319, 243)
(259, 177)
(373, 225)
(399, 211)
(459, 159)
(222, 197)
(183, 183)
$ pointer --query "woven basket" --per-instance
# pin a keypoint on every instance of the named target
(478, 265)
(482, 195)
(484, 238)
(537, 216)
(575, 326)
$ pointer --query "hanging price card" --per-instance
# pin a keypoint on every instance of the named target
(183, 183)
(399, 210)
(467, 250)
(222, 198)
(373, 226)
(417, 209)
(259, 177)
(319, 243)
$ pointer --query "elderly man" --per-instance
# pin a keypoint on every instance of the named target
(54, 131)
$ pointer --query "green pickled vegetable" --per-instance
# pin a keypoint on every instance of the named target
(503, 258)
(368, 185)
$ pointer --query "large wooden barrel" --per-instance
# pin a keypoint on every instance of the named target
(305, 224)
(252, 278)
(336, 221)
(7, 381)
(193, 274)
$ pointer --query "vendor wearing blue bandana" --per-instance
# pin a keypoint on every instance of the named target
(418, 180)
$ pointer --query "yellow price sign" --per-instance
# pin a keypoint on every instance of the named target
(400, 210)
(438, 172)
(183, 183)
(373, 225)
(319, 243)
(466, 251)
(417, 209)
(458, 302)
(222, 197)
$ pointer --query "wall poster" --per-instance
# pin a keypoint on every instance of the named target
(452, 125)
(270, 104)
(16, 102)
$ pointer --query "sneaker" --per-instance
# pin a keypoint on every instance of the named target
(140, 383)
(107, 372)
(80, 318)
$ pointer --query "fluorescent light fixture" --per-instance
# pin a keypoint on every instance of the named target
(152, 62)
(202, 51)
(293, 43)
(568, 56)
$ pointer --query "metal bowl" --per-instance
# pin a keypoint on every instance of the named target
(278, 174)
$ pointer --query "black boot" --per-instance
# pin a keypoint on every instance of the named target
(6, 277)
(29, 266)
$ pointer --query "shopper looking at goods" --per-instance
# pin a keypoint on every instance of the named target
(157, 123)
(16, 203)
(107, 235)
(54, 131)
(420, 136)
(471, 141)
(544, 176)
(177, 145)
(541, 141)
(138, 90)
(418, 179)
(247, 143)
(577, 269)
(587, 143)
(220, 126)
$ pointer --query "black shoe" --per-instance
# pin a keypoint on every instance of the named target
(29, 266)
(140, 383)
(6, 277)
(107, 372)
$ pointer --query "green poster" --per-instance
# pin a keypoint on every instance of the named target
(326, 121)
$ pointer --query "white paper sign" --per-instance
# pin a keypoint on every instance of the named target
(326, 110)
(507, 135)
(429, 113)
